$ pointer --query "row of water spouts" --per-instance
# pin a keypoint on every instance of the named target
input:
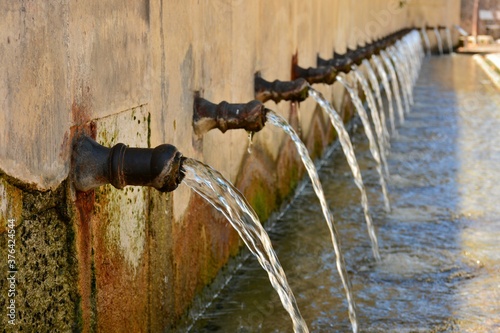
(397, 60)
(439, 39)
(398, 65)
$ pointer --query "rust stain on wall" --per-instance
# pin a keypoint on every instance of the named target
(83, 224)
(203, 241)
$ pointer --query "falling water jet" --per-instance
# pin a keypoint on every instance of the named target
(398, 54)
(415, 54)
(371, 139)
(448, 40)
(345, 143)
(439, 40)
(387, 89)
(395, 86)
(223, 196)
(425, 37)
(278, 121)
(375, 86)
(400, 71)
(375, 117)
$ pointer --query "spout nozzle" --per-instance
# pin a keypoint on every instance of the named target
(225, 116)
(95, 165)
(296, 90)
(166, 168)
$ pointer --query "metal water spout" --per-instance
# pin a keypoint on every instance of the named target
(321, 74)
(357, 55)
(341, 62)
(94, 165)
(296, 90)
(225, 116)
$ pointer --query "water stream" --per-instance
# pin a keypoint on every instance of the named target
(395, 85)
(371, 139)
(221, 194)
(345, 143)
(415, 54)
(449, 40)
(404, 83)
(439, 40)
(403, 53)
(426, 41)
(387, 88)
(376, 87)
(375, 117)
(278, 121)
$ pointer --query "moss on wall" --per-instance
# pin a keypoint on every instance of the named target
(46, 297)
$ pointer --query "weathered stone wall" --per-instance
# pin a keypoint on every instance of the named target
(422, 13)
(126, 71)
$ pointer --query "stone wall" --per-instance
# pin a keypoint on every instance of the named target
(126, 71)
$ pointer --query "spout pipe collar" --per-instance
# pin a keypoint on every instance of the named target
(296, 90)
(225, 116)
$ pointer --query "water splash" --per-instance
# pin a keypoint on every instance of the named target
(375, 117)
(221, 194)
(345, 143)
(375, 86)
(395, 85)
(439, 40)
(371, 139)
(278, 121)
(387, 88)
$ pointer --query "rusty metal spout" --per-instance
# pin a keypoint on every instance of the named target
(296, 90)
(95, 165)
(340, 62)
(356, 55)
(225, 116)
(322, 74)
